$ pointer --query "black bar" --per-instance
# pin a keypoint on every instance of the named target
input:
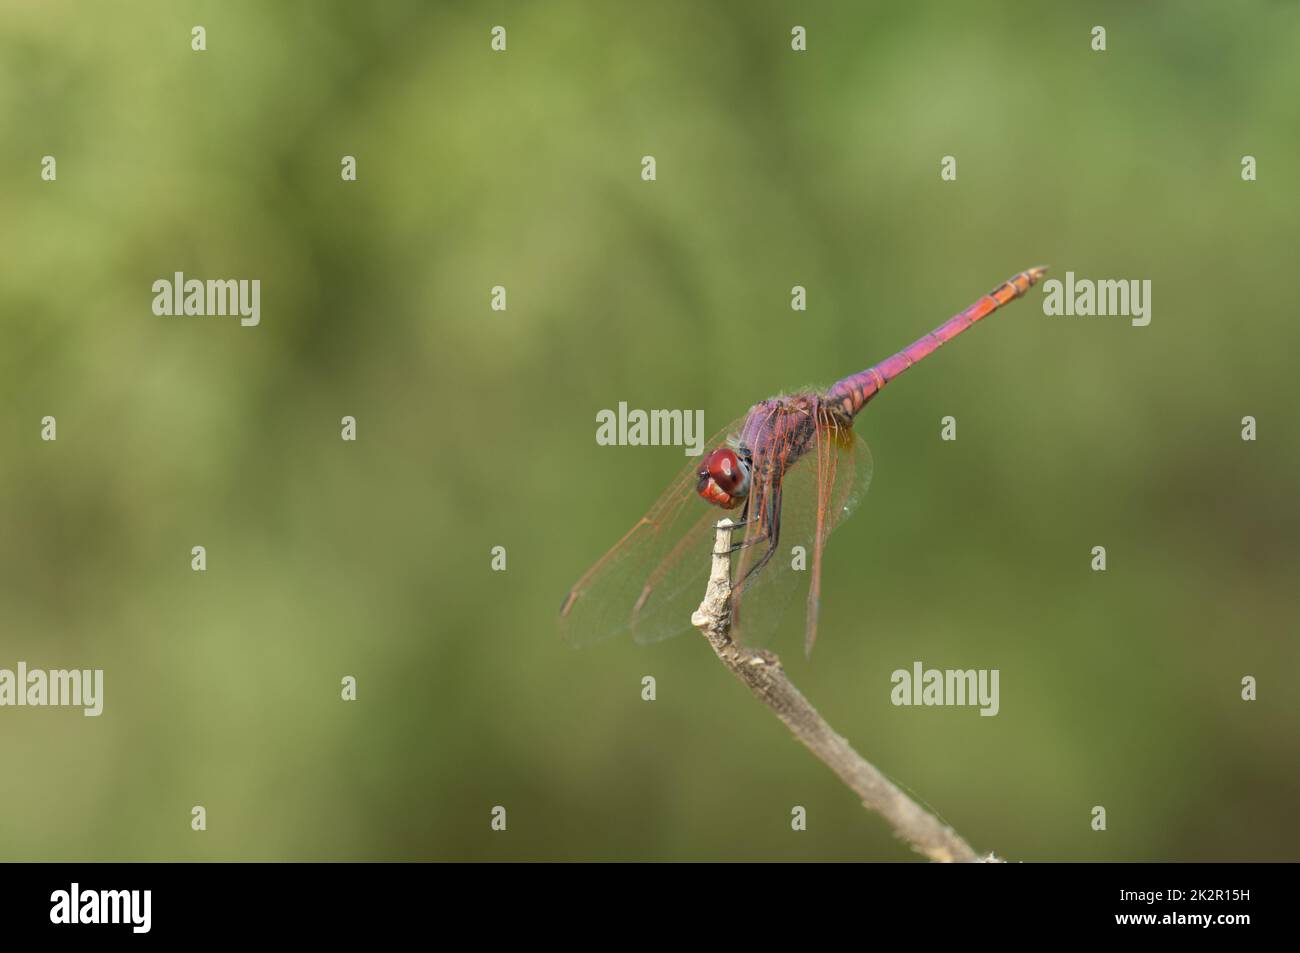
(982, 903)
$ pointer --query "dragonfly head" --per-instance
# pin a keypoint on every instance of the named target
(723, 478)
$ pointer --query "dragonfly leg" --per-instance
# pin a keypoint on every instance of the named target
(744, 515)
(773, 537)
(754, 569)
(744, 521)
(737, 547)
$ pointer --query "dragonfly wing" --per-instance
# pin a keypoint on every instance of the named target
(674, 589)
(645, 584)
(843, 474)
(758, 563)
(816, 495)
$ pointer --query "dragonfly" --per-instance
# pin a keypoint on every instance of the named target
(792, 469)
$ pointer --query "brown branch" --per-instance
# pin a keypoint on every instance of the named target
(763, 673)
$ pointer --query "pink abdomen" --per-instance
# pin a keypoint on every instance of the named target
(852, 393)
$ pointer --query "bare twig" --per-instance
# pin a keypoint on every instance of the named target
(763, 673)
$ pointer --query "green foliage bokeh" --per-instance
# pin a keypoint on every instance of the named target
(477, 427)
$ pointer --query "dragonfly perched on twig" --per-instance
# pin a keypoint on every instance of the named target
(646, 583)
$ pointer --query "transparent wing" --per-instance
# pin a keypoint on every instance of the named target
(653, 578)
(844, 469)
(816, 494)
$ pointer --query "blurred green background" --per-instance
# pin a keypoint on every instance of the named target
(477, 427)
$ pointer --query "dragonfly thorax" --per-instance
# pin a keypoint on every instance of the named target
(723, 478)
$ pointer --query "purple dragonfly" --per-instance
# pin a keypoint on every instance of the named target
(650, 580)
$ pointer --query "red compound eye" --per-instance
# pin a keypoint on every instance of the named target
(723, 478)
(726, 469)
